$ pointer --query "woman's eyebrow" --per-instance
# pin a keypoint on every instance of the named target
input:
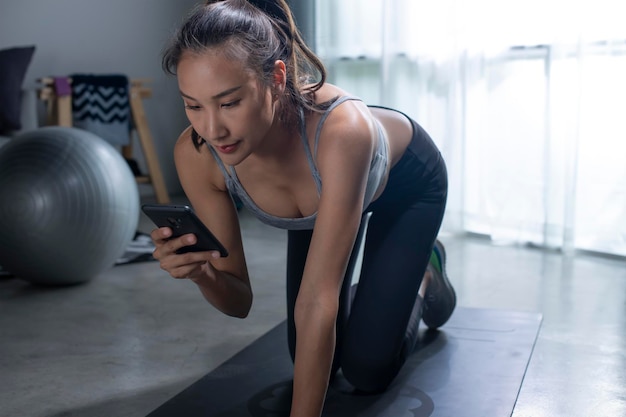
(217, 96)
(226, 92)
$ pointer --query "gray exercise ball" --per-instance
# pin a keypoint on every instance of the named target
(69, 206)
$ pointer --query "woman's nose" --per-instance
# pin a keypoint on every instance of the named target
(213, 128)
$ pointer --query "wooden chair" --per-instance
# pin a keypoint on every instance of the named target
(59, 113)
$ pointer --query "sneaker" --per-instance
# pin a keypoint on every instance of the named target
(440, 298)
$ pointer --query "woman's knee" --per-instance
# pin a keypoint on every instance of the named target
(367, 375)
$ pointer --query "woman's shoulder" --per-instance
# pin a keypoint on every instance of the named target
(349, 120)
(196, 164)
(346, 111)
(184, 148)
(185, 144)
(329, 93)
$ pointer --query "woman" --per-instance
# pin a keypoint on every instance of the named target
(304, 155)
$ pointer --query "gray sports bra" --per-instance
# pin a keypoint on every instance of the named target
(378, 167)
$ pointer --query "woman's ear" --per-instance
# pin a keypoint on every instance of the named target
(280, 77)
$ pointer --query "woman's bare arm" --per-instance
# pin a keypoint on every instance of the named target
(224, 282)
(344, 157)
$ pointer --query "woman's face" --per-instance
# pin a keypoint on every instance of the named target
(226, 104)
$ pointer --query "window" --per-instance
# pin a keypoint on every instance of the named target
(525, 102)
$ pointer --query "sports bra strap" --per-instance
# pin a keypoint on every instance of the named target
(318, 131)
(309, 157)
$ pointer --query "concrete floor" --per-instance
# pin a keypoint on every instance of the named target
(133, 337)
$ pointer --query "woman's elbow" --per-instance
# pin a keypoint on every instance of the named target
(244, 311)
(319, 309)
(240, 309)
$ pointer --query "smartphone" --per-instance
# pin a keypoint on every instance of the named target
(182, 220)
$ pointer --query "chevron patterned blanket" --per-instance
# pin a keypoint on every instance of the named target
(100, 104)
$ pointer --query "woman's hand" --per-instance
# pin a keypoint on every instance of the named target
(191, 265)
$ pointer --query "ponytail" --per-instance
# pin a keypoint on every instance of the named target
(279, 9)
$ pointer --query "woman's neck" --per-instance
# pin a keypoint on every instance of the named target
(279, 143)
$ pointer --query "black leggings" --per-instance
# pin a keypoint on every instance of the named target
(374, 337)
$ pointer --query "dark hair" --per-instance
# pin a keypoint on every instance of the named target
(258, 33)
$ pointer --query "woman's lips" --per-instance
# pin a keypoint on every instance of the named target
(228, 148)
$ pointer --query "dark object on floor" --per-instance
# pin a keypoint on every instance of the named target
(471, 367)
(138, 250)
(134, 167)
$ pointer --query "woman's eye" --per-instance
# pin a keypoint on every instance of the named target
(190, 107)
(231, 103)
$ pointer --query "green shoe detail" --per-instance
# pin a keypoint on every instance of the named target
(434, 260)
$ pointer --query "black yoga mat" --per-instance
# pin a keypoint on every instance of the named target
(472, 366)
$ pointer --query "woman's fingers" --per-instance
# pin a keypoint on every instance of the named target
(166, 245)
(183, 271)
(161, 235)
(180, 265)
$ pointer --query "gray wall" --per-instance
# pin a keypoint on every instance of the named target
(105, 36)
(114, 36)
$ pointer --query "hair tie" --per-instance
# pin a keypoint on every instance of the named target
(271, 8)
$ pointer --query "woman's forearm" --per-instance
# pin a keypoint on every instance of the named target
(226, 292)
(315, 345)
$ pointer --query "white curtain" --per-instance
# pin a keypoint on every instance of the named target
(526, 100)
